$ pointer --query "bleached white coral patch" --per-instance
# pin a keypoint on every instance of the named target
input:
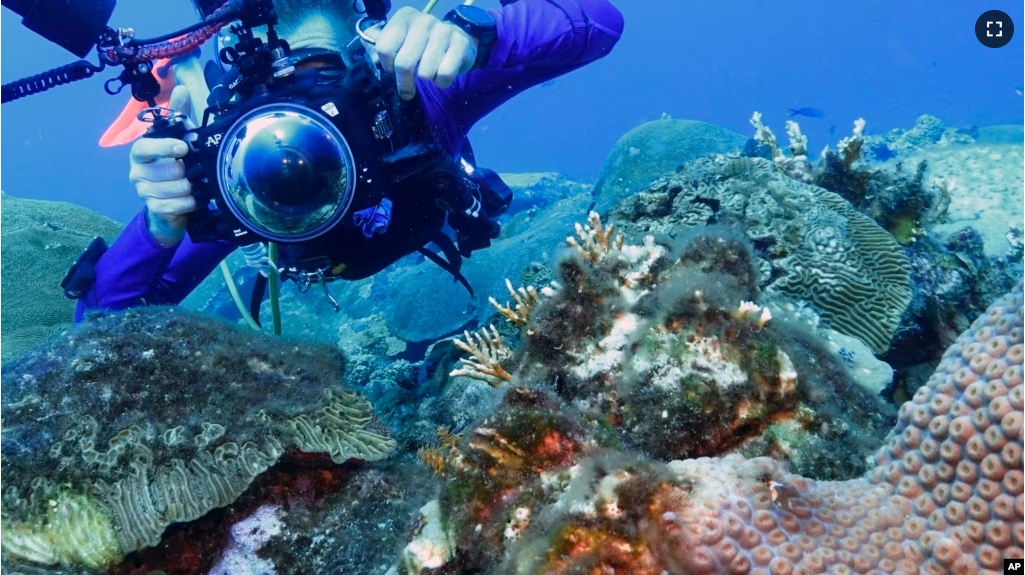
(247, 537)
(699, 356)
(432, 546)
(607, 356)
(641, 258)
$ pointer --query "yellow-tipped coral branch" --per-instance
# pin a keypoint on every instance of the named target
(525, 298)
(596, 242)
(486, 353)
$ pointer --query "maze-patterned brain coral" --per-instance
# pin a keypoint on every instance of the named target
(137, 420)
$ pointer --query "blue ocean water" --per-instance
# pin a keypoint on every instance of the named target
(514, 452)
(887, 62)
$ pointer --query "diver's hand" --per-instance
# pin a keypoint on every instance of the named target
(159, 178)
(416, 44)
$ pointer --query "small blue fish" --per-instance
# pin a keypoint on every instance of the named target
(807, 112)
(1019, 91)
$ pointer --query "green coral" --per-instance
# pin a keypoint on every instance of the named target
(75, 530)
(652, 149)
(41, 239)
(155, 416)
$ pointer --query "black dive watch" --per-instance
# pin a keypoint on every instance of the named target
(479, 24)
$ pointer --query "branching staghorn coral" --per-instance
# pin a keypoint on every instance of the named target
(487, 353)
(850, 147)
(798, 141)
(796, 165)
(596, 242)
(526, 299)
(765, 137)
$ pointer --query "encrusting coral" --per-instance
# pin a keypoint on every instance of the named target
(654, 340)
(133, 421)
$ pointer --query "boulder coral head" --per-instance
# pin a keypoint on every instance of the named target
(133, 421)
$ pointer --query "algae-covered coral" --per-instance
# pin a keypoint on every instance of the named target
(41, 239)
(657, 340)
(533, 491)
(137, 420)
(811, 245)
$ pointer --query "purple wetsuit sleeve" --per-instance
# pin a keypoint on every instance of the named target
(538, 40)
(137, 270)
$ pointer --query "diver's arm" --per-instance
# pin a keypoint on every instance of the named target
(137, 270)
(538, 40)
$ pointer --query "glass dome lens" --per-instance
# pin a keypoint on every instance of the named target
(286, 172)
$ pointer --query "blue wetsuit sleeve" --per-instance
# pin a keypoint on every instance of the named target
(137, 270)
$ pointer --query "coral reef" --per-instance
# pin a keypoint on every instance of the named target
(945, 494)
(653, 340)
(928, 131)
(902, 203)
(658, 340)
(134, 421)
(951, 210)
(41, 239)
(811, 245)
(653, 149)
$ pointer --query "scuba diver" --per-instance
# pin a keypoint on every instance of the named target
(343, 200)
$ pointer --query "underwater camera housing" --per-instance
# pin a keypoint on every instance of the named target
(292, 143)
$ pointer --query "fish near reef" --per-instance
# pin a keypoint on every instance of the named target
(807, 112)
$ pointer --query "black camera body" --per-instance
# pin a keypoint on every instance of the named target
(338, 101)
(352, 104)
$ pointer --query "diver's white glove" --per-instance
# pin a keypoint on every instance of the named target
(159, 178)
(414, 44)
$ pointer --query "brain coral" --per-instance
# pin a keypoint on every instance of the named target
(814, 247)
(133, 421)
(41, 240)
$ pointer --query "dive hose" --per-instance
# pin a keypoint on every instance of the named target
(275, 303)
